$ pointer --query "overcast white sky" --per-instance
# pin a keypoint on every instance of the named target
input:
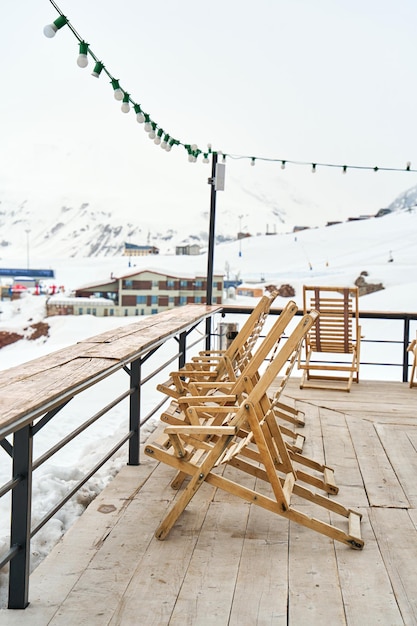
(323, 81)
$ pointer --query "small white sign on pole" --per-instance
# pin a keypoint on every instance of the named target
(220, 175)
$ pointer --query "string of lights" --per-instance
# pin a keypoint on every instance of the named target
(164, 139)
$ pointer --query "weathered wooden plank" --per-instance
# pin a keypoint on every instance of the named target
(370, 399)
(400, 446)
(130, 549)
(46, 389)
(314, 592)
(152, 592)
(367, 593)
(207, 592)
(261, 591)
(397, 539)
(381, 482)
(341, 455)
(131, 337)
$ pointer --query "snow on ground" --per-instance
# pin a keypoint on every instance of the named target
(333, 255)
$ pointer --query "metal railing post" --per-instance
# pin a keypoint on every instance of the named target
(182, 342)
(406, 341)
(208, 333)
(134, 412)
(21, 519)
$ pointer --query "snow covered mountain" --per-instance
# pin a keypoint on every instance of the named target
(87, 230)
(405, 201)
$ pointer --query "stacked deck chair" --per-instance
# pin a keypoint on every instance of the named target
(209, 370)
(243, 432)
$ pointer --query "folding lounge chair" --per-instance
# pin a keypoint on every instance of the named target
(333, 343)
(248, 438)
(232, 385)
(222, 364)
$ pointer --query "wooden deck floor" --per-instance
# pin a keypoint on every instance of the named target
(229, 562)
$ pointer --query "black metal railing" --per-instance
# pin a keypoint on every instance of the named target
(404, 328)
(141, 371)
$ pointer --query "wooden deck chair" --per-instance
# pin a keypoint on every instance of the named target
(413, 349)
(236, 386)
(248, 432)
(226, 364)
(332, 347)
(227, 395)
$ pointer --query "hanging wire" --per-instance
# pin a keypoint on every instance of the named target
(192, 149)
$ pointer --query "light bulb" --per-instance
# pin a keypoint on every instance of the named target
(125, 105)
(82, 60)
(140, 118)
(118, 93)
(158, 137)
(313, 168)
(283, 165)
(206, 159)
(51, 29)
(152, 134)
(252, 161)
(191, 158)
(168, 148)
(344, 169)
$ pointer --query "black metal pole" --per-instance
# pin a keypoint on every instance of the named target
(134, 412)
(210, 255)
(182, 348)
(406, 341)
(21, 519)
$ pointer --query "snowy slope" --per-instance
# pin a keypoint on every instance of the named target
(70, 230)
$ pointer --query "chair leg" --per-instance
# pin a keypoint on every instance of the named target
(193, 486)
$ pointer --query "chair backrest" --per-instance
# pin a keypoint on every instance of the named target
(240, 350)
(285, 357)
(337, 328)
